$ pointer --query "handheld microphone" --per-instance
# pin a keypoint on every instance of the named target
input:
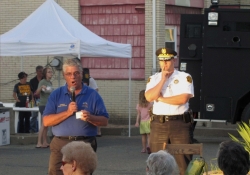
(73, 95)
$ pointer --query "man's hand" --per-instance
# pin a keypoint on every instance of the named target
(72, 108)
(85, 115)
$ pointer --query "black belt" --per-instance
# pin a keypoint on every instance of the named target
(164, 118)
(74, 137)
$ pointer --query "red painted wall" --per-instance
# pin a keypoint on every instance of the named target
(124, 22)
(121, 23)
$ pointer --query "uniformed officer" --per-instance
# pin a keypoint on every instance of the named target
(170, 90)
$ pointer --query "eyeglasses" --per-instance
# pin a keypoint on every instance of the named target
(63, 163)
(76, 74)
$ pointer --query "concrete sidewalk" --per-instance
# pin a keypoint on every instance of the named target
(201, 130)
(117, 155)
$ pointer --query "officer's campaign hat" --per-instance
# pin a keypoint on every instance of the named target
(165, 54)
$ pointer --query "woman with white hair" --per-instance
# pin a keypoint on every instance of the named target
(161, 163)
(79, 158)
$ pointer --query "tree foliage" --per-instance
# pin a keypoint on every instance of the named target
(244, 131)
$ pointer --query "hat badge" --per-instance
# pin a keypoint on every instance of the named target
(164, 54)
(163, 51)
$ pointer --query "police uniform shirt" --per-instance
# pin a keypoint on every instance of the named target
(178, 83)
(92, 83)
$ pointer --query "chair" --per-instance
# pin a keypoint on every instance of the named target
(190, 149)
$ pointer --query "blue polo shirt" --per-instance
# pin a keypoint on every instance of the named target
(88, 99)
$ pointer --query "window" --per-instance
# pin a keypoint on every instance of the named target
(193, 31)
(170, 37)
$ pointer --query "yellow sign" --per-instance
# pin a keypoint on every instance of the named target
(24, 89)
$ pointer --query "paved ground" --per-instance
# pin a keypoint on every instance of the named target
(117, 155)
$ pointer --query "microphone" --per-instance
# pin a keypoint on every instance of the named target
(73, 95)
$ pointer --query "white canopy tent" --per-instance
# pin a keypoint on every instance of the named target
(51, 31)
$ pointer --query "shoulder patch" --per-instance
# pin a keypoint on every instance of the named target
(148, 80)
(189, 79)
(176, 81)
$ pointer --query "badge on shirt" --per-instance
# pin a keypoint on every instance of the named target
(148, 80)
(85, 105)
(176, 81)
(189, 79)
(61, 105)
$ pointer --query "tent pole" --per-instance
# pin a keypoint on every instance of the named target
(129, 97)
(154, 37)
(21, 63)
(79, 51)
(59, 72)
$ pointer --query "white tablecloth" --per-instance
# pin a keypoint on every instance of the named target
(17, 109)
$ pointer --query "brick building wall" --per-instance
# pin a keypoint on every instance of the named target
(148, 38)
(160, 33)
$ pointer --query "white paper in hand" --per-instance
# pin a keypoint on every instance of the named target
(78, 114)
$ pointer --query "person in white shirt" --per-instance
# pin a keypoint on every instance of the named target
(170, 90)
(89, 81)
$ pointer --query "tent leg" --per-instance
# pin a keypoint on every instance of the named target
(129, 98)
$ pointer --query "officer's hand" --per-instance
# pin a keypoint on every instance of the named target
(160, 97)
(85, 115)
(72, 108)
(166, 73)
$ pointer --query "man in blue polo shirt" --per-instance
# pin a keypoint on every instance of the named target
(60, 113)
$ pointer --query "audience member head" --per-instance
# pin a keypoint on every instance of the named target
(47, 73)
(22, 76)
(233, 159)
(39, 71)
(161, 163)
(78, 158)
(142, 99)
(85, 76)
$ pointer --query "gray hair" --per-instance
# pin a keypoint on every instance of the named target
(72, 62)
(39, 67)
(82, 153)
(161, 163)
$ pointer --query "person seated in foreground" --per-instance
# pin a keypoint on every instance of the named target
(161, 163)
(79, 158)
(233, 159)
